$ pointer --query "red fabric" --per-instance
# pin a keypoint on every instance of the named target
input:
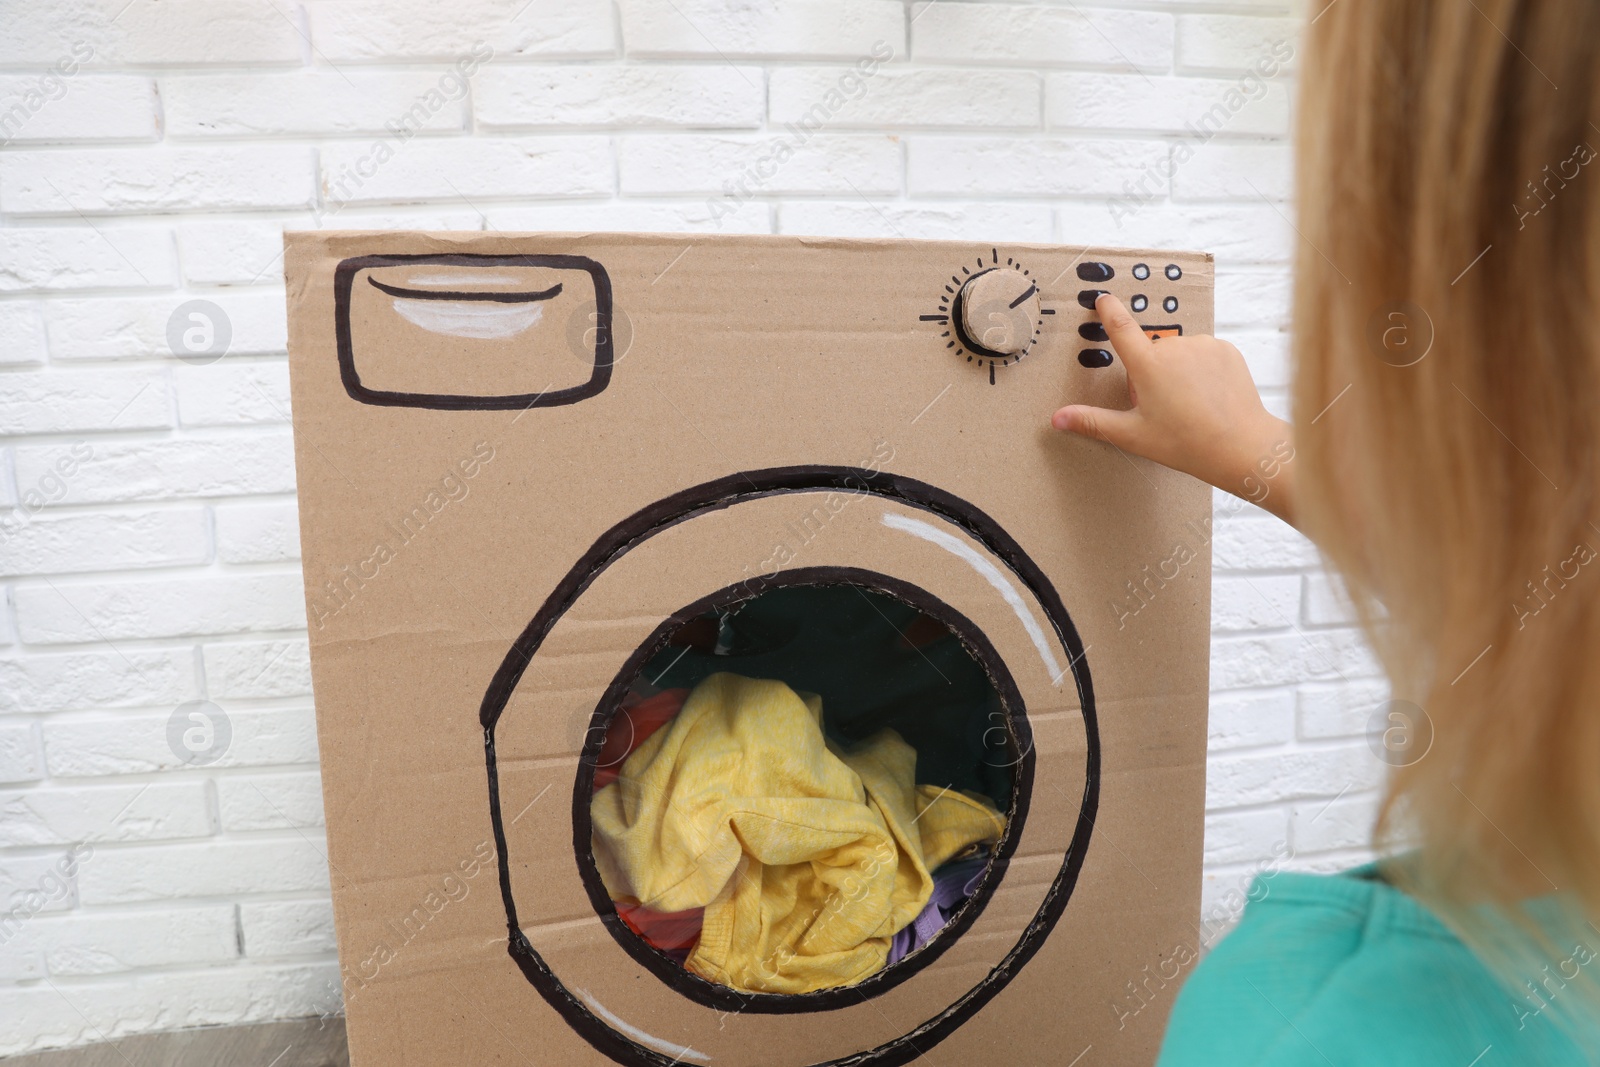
(924, 630)
(669, 931)
(629, 728)
(673, 932)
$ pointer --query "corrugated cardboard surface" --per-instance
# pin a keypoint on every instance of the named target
(466, 456)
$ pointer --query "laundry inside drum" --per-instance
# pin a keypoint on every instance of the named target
(802, 789)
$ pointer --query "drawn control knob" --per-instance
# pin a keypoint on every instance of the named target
(999, 311)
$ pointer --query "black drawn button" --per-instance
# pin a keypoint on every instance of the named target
(1095, 358)
(1087, 298)
(1170, 303)
(1093, 331)
(1095, 272)
(1141, 271)
(1174, 271)
(1140, 302)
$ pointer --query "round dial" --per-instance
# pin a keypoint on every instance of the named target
(997, 312)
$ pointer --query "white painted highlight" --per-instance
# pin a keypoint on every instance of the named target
(479, 320)
(991, 574)
(679, 1052)
(467, 279)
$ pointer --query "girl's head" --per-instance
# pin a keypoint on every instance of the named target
(1447, 404)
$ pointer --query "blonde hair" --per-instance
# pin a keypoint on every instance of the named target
(1447, 406)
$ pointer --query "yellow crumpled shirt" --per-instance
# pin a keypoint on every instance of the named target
(807, 860)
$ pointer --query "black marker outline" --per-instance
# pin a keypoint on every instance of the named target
(461, 294)
(716, 495)
(343, 283)
(712, 994)
(959, 325)
(1031, 290)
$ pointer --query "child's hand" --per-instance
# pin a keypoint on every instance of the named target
(1195, 409)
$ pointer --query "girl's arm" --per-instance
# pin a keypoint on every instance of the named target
(1196, 410)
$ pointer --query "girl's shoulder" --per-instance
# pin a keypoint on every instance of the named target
(1348, 970)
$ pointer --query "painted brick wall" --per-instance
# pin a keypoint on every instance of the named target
(148, 543)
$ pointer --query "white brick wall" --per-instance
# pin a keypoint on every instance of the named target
(154, 152)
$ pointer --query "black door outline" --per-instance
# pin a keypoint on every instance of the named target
(714, 496)
(720, 997)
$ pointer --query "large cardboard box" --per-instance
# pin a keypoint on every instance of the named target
(524, 458)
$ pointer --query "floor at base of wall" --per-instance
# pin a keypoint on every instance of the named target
(295, 1043)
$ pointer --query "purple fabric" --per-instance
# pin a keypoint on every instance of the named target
(952, 885)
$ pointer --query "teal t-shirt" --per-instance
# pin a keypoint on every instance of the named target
(1348, 971)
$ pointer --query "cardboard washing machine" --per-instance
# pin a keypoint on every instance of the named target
(525, 459)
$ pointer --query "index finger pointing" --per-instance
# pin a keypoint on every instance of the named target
(1127, 336)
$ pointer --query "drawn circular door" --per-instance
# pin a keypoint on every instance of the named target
(545, 712)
